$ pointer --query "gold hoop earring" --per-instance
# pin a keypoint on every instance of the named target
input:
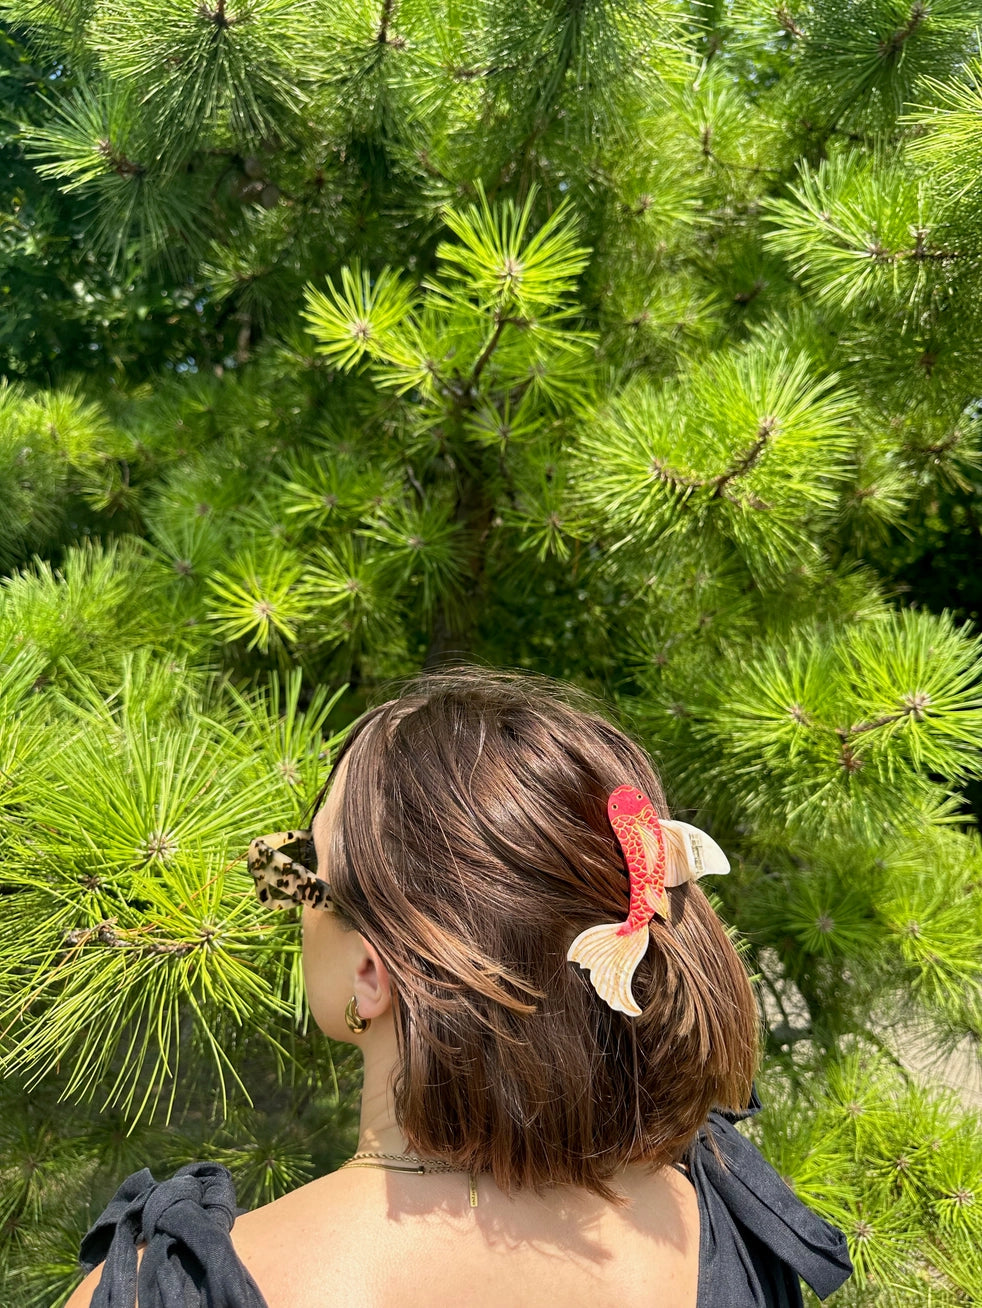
(355, 1023)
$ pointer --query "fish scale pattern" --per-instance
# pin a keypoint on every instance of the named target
(633, 814)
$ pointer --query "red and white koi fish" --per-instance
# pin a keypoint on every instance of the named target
(658, 853)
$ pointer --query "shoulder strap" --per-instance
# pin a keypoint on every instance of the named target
(189, 1258)
(757, 1236)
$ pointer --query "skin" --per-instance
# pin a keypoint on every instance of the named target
(336, 965)
(369, 1238)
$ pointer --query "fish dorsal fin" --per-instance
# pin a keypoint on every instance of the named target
(690, 854)
(652, 842)
(655, 860)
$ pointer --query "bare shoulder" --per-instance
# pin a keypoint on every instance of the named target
(375, 1238)
(82, 1296)
(305, 1247)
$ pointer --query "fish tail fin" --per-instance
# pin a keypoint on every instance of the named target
(611, 958)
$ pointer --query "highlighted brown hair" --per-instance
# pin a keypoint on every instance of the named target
(473, 845)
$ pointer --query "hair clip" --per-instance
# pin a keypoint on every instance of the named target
(658, 853)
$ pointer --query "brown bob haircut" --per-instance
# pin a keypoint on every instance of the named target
(472, 845)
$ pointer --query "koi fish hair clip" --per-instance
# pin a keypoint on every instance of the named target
(658, 853)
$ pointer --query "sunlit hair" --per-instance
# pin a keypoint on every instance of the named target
(472, 845)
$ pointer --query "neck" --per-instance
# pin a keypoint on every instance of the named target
(377, 1130)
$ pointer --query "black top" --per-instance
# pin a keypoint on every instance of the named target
(756, 1237)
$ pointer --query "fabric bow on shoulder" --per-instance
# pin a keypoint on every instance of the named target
(189, 1258)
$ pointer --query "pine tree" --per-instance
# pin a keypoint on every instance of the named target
(638, 344)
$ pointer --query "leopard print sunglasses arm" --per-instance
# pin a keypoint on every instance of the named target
(279, 866)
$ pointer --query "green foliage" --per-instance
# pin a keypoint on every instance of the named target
(360, 319)
(859, 232)
(101, 604)
(256, 600)
(122, 881)
(636, 347)
(51, 448)
(867, 61)
(846, 731)
(888, 1178)
(760, 418)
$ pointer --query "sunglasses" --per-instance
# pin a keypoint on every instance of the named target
(281, 868)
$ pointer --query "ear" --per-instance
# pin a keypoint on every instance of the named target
(372, 987)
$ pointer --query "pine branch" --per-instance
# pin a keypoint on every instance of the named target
(218, 16)
(677, 480)
(916, 707)
(747, 461)
(484, 357)
(787, 23)
(117, 160)
(892, 45)
(388, 9)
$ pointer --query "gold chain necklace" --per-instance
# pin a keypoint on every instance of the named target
(408, 1163)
